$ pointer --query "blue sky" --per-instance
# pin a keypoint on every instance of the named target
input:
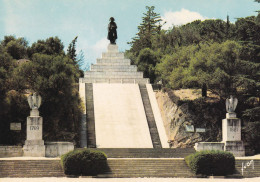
(88, 19)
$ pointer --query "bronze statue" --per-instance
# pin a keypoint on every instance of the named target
(112, 34)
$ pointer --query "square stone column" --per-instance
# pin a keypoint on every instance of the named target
(231, 129)
(231, 135)
(34, 145)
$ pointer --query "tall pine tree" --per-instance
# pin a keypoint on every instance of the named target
(149, 27)
(71, 51)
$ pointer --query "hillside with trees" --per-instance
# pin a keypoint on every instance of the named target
(214, 55)
(44, 68)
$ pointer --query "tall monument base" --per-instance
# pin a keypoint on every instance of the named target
(231, 132)
(34, 145)
(231, 137)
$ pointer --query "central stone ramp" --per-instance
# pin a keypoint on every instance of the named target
(120, 120)
(121, 108)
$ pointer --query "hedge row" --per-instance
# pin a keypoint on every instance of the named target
(217, 163)
(85, 162)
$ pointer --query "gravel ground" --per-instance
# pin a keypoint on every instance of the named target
(125, 180)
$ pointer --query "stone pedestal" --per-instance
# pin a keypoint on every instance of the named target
(231, 129)
(112, 48)
(209, 146)
(231, 135)
(235, 147)
(34, 145)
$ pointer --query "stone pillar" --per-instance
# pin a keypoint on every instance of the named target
(231, 135)
(34, 145)
(112, 48)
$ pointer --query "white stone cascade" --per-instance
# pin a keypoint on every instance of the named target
(119, 115)
(113, 68)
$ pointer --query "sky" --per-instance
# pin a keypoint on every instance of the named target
(88, 19)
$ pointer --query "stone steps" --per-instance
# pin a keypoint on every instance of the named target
(128, 168)
(249, 171)
(30, 168)
(116, 68)
(147, 152)
(150, 117)
(113, 62)
(113, 74)
(115, 80)
(91, 135)
(123, 168)
(113, 55)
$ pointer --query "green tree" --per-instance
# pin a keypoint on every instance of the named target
(50, 46)
(149, 27)
(6, 66)
(247, 32)
(213, 30)
(173, 67)
(77, 60)
(12, 102)
(54, 78)
(71, 51)
(17, 48)
(217, 65)
(146, 62)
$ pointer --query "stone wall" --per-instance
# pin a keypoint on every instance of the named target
(56, 149)
(175, 118)
(11, 151)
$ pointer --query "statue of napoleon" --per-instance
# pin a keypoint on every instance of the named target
(112, 34)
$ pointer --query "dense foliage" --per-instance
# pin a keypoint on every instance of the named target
(217, 163)
(84, 162)
(44, 68)
(214, 55)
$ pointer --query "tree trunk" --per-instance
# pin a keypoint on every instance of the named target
(204, 90)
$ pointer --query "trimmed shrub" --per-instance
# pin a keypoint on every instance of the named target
(86, 162)
(217, 163)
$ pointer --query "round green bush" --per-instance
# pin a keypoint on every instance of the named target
(217, 163)
(84, 162)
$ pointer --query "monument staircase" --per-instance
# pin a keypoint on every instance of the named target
(91, 137)
(21, 168)
(119, 112)
(122, 119)
(134, 168)
(150, 117)
(119, 167)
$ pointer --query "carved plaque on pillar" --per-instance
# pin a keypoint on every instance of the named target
(231, 129)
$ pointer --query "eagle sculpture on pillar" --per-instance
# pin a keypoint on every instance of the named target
(34, 101)
(231, 104)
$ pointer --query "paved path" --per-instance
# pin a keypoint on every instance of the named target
(126, 180)
(57, 158)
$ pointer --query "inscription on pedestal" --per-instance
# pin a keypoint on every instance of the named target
(34, 127)
(231, 129)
